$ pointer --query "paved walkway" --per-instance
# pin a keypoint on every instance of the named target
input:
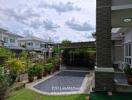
(64, 82)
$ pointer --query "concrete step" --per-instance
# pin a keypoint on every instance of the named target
(121, 84)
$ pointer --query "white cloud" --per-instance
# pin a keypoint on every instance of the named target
(61, 7)
(27, 17)
(79, 26)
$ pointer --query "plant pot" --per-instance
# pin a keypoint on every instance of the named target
(44, 74)
(129, 79)
(49, 72)
(39, 75)
(30, 78)
(2, 97)
(57, 67)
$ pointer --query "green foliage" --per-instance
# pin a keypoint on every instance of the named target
(66, 42)
(38, 68)
(50, 60)
(16, 65)
(48, 67)
(4, 82)
(31, 71)
(79, 57)
(5, 54)
(128, 69)
(23, 55)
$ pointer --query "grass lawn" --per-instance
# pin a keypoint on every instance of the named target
(25, 94)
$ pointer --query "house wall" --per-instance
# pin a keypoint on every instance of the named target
(128, 36)
(118, 53)
(9, 37)
(128, 40)
(31, 44)
(35, 44)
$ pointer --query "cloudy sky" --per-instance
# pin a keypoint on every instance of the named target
(56, 19)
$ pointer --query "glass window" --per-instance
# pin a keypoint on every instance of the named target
(128, 53)
(6, 39)
(30, 43)
(12, 40)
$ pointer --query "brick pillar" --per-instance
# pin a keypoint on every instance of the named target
(104, 72)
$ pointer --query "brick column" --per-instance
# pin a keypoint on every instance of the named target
(104, 72)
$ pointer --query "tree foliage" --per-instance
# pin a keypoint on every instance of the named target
(66, 42)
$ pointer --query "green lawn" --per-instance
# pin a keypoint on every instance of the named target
(25, 94)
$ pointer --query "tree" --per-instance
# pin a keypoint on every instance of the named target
(5, 54)
(16, 67)
(66, 42)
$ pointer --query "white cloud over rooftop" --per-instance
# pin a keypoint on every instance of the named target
(58, 19)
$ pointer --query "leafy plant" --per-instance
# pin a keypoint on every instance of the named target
(23, 55)
(128, 69)
(16, 66)
(4, 82)
(31, 71)
(48, 67)
(5, 54)
(66, 42)
(38, 69)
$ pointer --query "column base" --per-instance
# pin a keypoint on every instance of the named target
(104, 79)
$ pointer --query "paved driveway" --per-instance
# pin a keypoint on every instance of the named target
(65, 81)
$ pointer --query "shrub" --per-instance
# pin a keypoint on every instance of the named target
(38, 70)
(4, 83)
(48, 67)
(4, 55)
(31, 73)
(16, 66)
(128, 69)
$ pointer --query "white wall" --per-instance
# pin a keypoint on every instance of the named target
(128, 39)
(9, 43)
(36, 44)
(128, 36)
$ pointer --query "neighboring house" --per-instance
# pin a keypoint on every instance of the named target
(33, 43)
(122, 46)
(9, 39)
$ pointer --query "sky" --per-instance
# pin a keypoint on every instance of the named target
(57, 20)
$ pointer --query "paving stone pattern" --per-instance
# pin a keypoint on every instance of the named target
(65, 81)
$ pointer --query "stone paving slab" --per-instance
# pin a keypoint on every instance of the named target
(65, 81)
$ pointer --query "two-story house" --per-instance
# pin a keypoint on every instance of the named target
(121, 13)
(9, 39)
(33, 43)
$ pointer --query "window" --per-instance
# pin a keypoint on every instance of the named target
(128, 53)
(6, 39)
(30, 43)
(12, 40)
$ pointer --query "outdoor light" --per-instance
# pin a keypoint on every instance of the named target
(127, 20)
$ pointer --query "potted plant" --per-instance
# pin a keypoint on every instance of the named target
(44, 71)
(57, 64)
(31, 73)
(38, 70)
(128, 72)
(48, 67)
